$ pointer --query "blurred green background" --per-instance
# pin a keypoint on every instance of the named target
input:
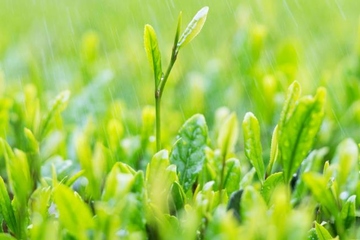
(246, 56)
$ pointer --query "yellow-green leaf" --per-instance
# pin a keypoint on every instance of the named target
(322, 232)
(297, 135)
(75, 215)
(194, 27)
(252, 148)
(153, 52)
(228, 135)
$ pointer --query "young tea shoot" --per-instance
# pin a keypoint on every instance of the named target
(154, 57)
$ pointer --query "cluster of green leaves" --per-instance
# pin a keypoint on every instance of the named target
(98, 180)
(203, 188)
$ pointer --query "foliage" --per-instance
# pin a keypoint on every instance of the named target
(89, 165)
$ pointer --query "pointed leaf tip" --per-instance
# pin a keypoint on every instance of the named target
(194, 27)
(153, 52)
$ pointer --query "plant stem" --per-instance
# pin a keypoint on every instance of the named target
(158, 120)
(158, 94)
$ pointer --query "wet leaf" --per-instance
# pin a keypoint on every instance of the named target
(253, 149)
(292, 96)
(232, 175)
(194, 27)
(270, 185)
(188, 153)
(297, 135)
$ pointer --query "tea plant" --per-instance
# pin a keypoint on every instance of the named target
(216, 182)
(154, 57)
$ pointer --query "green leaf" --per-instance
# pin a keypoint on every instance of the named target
(252, 148)
(4, 236)
(188, 153)
(234, 203)
(312, 235)
(69, 182)
(177, 34)
(292, 96)
(177, 198)
(232, 175)
(119, 182)
(348, 211)
(228, 135)
(274, 150)
(322, 233)
(32, 143)
(6, 210)
(39, 205)
(193, 28)
(248, 178)
(270, 184)
(253, 206)
(75, 215)
(314, 163)
(347, 167)
(59, 104)
(153, 53)
(19, 174)
(318, 185)
(160, 176)
(298, 134)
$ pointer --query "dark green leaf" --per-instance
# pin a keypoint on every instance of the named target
(188, 153)
(312, 235)
(234, 203)
(6, 210)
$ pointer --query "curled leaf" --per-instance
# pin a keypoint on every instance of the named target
(194, 27)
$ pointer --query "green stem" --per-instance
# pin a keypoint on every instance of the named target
(158, 94)
(158, 120)
(221, 186)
